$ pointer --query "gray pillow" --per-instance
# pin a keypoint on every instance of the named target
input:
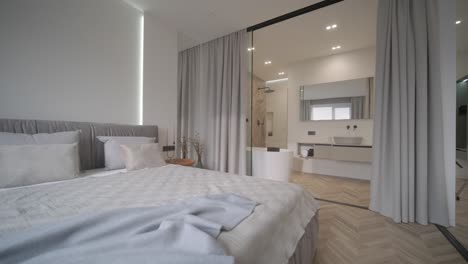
(142, 156)
(68, 137)
(22, 165)
(112, 153)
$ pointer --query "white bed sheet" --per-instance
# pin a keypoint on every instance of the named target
(88, 173)
(101, 172)
(269, 235)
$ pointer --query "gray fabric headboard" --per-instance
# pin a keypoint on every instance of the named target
(91, 149)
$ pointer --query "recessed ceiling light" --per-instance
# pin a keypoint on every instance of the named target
(267, 62)
(251, 49)
(280, 73)
(336, 47)
(458, 22)
(330, 27)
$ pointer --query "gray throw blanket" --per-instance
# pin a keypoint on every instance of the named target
(183, 232)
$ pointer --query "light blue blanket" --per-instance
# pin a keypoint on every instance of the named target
(183, 232)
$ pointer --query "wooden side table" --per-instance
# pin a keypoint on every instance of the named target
(182, 162)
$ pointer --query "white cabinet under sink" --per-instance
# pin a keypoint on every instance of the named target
(322, 151)
(347, 169)
(357, 153)
(347, 153)
(348, 140)
(351, 161)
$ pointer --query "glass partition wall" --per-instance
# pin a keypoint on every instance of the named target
(248, 104)
(461, 123)
(311, 80)
(267, 101)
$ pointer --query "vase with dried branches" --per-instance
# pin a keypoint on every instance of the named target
(199, 149)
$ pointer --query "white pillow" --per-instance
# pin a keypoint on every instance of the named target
(142, 156)
(31, 164)
(112, 153)
(67, 137)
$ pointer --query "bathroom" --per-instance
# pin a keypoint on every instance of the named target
(312, 98)
(314, 104)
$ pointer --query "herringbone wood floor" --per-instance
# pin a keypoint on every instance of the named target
(354, 235)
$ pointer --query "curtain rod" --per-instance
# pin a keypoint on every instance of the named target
(296, 13)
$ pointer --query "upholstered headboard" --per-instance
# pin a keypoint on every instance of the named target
(91, 149)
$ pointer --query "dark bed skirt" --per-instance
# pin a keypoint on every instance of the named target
(307, 245)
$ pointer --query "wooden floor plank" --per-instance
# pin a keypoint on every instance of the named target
(353, 235)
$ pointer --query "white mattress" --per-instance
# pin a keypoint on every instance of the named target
(269, 235)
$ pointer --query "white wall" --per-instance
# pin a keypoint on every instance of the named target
(462, 64)
(339, 67)
(69, 60)
(160, 78)
(79, 61)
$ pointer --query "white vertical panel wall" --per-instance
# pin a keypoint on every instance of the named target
(160, 77)
(79, 61)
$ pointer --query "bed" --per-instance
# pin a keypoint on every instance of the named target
(282, 229)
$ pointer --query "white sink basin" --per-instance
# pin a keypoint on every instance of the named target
(347, 140)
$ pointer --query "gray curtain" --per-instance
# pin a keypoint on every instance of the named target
(304, 105)
(357, 107)
(305, 109)
(413, 154)
(212, 83)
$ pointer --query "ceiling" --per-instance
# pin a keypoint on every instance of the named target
(305, 37)
(199, 21)
(300, 38)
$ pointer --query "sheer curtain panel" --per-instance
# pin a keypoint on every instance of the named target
(213, 83)
(414, 123)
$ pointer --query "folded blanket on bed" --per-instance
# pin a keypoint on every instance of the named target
(183, 232)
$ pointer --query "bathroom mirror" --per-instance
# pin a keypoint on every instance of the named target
(343, 100)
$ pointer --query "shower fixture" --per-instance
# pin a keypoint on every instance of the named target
(267, 89)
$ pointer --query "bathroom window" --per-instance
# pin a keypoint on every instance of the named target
(321, 112)
(338, 111)
(342, 112)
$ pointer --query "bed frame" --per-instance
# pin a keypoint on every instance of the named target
(92, 157)
(91, 149)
